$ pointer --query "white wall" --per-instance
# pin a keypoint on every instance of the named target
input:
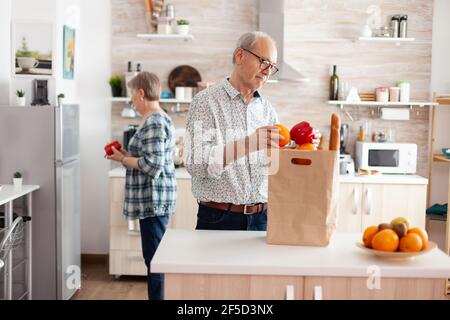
(94, 68)
(39, 11)
(58, 13)
(89, 89)
(67, 13)
(5, 52)
(440, 83)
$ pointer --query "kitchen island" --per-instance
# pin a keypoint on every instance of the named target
(241, 265)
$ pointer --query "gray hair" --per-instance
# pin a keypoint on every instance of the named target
(149, 82)
(248, 41)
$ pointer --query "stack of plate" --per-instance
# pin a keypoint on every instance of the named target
(367, 96)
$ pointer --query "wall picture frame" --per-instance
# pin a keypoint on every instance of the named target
(32, 48)
(68, 53)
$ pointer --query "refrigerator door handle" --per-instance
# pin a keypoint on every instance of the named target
(60, 163)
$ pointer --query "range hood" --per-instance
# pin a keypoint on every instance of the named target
(271, 21)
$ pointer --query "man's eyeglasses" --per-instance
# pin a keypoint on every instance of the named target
(264, 64)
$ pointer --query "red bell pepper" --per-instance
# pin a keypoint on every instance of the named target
(302, 133)
(108, 148)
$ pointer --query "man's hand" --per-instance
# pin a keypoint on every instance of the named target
(266, 137)
(263, 138)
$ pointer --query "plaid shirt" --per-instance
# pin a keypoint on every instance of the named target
(151, 191)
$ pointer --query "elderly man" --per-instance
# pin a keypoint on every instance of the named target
(229, 127)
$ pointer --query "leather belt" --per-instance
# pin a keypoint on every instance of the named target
(244, 209)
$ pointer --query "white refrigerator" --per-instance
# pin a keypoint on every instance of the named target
(43, 143)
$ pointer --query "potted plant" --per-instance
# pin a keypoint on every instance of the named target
(21, 100)
(17, 180)
(61, 97)
(182, 27)
(116, 86)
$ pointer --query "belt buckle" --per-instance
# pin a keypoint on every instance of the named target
(245, 208)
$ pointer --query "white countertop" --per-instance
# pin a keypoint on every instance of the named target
(246, 252)
(384, 179)
(180, 173)
(9, 193)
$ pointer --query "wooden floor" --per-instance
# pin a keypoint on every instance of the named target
(97, 284)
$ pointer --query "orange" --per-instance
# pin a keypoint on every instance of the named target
(307, 147)
(385, 240)
(412, 242)
(368, 235)
(422, 234)
(284, 132)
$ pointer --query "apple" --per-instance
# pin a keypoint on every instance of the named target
(402, 220)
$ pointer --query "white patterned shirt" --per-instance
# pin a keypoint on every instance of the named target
(218, 115)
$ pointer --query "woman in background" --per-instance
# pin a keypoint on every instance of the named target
(150, 184)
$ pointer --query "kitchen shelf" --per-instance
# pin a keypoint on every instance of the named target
(410, 104)
(440, 158)
(177, 101)
(364, 39)
(443, 100)
(385, 39)
(155, 36)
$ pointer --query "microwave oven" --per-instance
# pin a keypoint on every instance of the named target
(396, 158)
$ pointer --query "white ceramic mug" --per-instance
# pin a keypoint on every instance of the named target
(188, 92)
(27, 63)
(180, 93)
(405, 88)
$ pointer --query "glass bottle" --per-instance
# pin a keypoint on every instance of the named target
(334, 85)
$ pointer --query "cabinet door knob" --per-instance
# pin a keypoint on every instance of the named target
(290, 292)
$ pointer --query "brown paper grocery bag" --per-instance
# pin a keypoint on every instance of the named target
(303, 198)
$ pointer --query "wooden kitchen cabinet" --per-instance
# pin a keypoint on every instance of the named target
(349, 209)
(365, 204)
(382, 203)
(125, 254)
(232, 287)
(185, 216)
(257, 287)
(348, 288)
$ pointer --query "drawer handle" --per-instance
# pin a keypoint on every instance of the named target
(369, 202)
(355, 202)
(135, 258)
(318, 293)
(290, 292)
(134, 233)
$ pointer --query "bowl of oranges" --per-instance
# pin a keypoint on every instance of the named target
(397, 240)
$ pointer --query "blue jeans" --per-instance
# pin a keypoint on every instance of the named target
(152, 231)
(216, 219)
